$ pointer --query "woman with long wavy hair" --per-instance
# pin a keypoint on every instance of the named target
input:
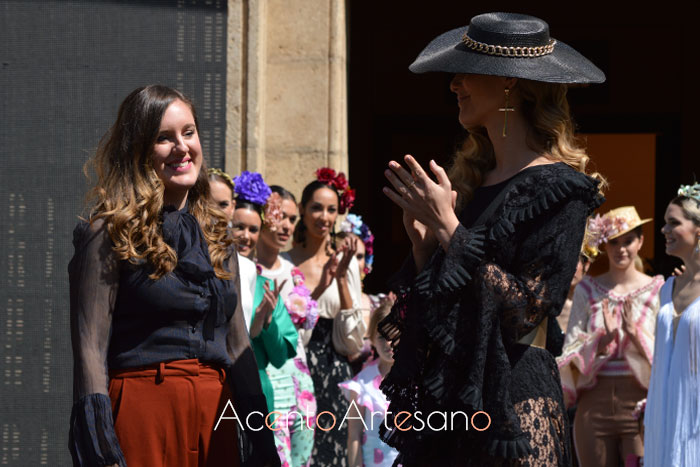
(160, 348)
(491, 261)
(333, 277)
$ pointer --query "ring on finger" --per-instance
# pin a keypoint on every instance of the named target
(412, 184)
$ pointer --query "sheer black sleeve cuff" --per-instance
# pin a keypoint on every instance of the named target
(463, 255)
(92, 439)
(449, 271)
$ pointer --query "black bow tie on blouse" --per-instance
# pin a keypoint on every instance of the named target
(182, 232)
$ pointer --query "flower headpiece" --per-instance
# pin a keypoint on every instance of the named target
(353, 224)
(340, 183)
(250, 186)
(690, 191)
(222, 174)
(272, 214)
(303, 310)
(614, 223)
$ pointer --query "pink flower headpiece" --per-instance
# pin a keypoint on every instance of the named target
(602, 228)
(303, 310)
(272, 213)
(614, 223)
(340, 183)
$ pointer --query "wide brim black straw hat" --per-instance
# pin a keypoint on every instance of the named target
(507, 44)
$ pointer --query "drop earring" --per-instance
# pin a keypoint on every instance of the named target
(697, 246)
(505, 109)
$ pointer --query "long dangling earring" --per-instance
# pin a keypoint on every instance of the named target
(505, 109)
(334, 238)
(697, 246)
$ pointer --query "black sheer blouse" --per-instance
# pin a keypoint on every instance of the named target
(120, 318)
(460, 319)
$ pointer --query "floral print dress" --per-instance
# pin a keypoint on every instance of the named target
(292, 383)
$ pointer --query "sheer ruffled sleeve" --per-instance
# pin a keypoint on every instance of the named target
(94, 280)
(514, 299)
(536, 286)
(444, 273)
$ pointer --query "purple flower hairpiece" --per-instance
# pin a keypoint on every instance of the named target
(354, 224)
(251, 187)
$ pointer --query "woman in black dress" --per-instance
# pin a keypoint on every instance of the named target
(491, 261)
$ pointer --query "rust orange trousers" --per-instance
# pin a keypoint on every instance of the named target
(165, 415)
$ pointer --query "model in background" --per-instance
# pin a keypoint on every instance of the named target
(672, 417)
(609, 344)
(333, 277)
(293, 388)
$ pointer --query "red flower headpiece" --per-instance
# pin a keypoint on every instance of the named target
(340, 183)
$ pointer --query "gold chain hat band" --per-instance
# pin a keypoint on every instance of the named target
(503, 51)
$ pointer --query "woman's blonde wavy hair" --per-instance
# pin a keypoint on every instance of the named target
(551, 132)
(128, 195)
(690, 207)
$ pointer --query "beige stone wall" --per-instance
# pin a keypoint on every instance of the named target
(286, 89)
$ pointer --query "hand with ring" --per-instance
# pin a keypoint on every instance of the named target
(428, 206)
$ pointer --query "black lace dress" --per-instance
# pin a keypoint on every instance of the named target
(459, 322)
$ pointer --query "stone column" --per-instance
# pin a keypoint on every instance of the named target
(286, 89)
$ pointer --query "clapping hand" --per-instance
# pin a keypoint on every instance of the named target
(428, 206)
(610, 324)
(335, 267)
(349, 250)
(627, 321)
(263, 313)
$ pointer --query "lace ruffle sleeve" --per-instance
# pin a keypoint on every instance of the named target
(94, 280)
(445, 272)
(535, 286)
